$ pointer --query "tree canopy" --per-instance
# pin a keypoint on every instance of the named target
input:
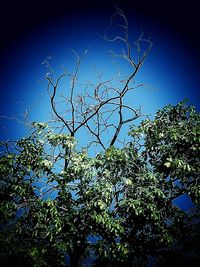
(116, 207)
(60, 205)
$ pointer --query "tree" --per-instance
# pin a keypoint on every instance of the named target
(171, 145)
(58, 201)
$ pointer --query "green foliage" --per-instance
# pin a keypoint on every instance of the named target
(54, 198)
(172, 146)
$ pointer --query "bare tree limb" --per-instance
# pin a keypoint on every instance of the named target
(94, 108)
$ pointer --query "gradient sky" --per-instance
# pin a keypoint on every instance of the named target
(31, 32)
(34, 31)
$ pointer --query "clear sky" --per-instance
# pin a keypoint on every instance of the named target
(171, 68)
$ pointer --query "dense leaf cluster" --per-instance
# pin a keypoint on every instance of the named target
(115, 209)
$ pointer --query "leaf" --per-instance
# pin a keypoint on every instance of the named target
(167, 164)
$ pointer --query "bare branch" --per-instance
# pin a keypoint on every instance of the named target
(94, 108)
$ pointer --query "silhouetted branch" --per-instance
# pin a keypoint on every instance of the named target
(93, 108)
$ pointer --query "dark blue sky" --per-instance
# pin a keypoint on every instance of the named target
(32, 31)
